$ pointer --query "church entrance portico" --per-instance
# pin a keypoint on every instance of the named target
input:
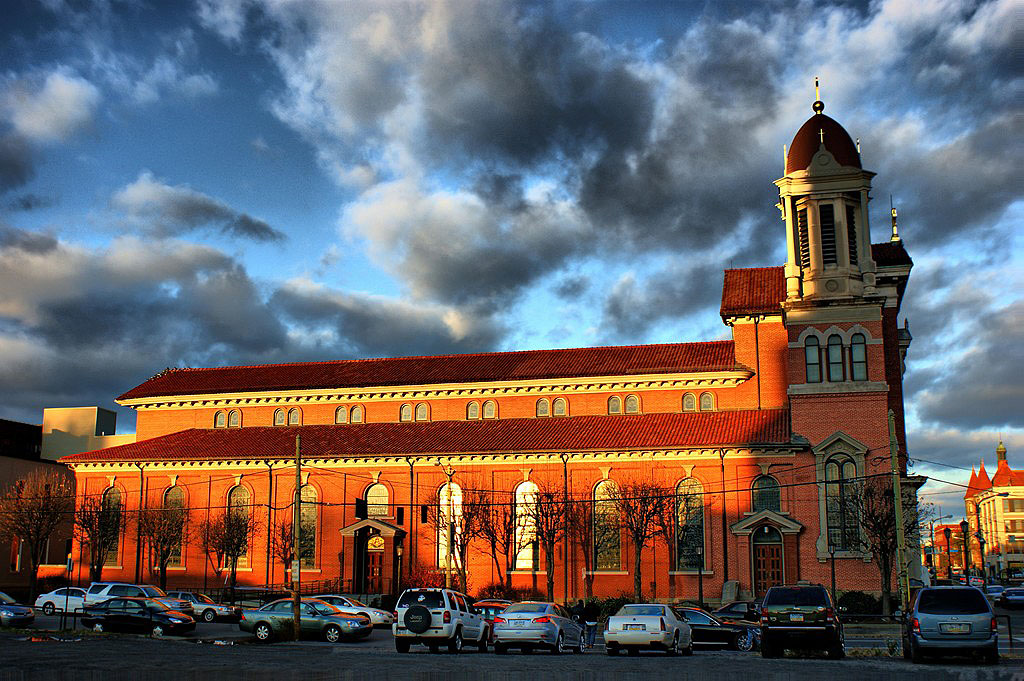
(374, 547)
(772, 540)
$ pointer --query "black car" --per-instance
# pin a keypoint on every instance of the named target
(708, 630)
(145, 615)
(800, 617)
(749, 611)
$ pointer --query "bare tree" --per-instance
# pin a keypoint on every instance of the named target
(466, 521)
(31, 510)
(665, 524)
(166, 530)
(226, 539)
(546, 512)
(497, 526)
(99, 522)
(282, 545)
(640, 504)
(590, 537)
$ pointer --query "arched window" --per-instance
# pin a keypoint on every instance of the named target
(689, 402)
(835, 358)
(632, 404)
(405, 413)
(607, 535)
(526, 527)
(840, 499)
(294, 417)
(707, 402)
(238, 502)
(473, 411)
(765, 494)
(858, 357)
(174, 502)
(377, 501)
(111, 502)
(234, 418)
(614, 404)
(422, 412)
(560, 407)
(689, 524)
(543, 407)
(307, 526)
(356, 414)
(219, 420)
(446, 504)
(279, 419)
(812, 359)
(341, 415)
(490, 409)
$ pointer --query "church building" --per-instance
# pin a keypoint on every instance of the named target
(759, 439)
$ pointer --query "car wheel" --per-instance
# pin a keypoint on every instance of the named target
(48, 608)
(612, 651)
(455, 642)
(836, 652)
(209, 615)
(481, 645)
(578, 650)
(98, 628)
(674, 648)
(688, 650)
(158, 630)
(332, 634)
(500, 649)
(559, 646)
(745, 641)
(263, 632)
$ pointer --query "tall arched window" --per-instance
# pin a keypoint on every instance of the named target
(840, 497)
(219, 420)
(614, 404)
(473, 411)
(294, 417)
(422, 412)
(765, 494)
(835, 358)
(607, 533)
(308, 526)
(446, 504)
(707, 402)
(405, 413)
(543, 407)
(632, 404)
(174, 501)
(526, 526)
(689, 524)
(560, 407)
(812, 359)
(238, 502)
(490, 409)
(279, 418)
(111, 502)
(858, 357)
(689, 402)
(341, 415)
(356, 414)
(234, 418)
(377, 501)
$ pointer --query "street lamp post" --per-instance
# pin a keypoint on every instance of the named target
(964, 528)
(980, 535)
(832, 557)
(948, 533)
(700, 575)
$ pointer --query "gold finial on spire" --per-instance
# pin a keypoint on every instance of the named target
(895, 230)
(785, 157)
(817, 92)
(818, 105)
(858, 145)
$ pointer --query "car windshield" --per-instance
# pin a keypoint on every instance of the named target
(952, 602)
(203, 598)
(795, 596)
(156, 606)
(428, 599)
(4, 598)
(325, 608)
(358, 604)
(153, 592)
(526, 607)
(641, 610)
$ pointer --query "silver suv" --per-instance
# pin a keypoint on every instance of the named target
(102, 591)
(950, 619)
(436, 617)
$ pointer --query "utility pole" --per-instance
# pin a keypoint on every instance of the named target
(725, 528)
(449, 471)
(296, 560)
(565, 515)
(897, 502)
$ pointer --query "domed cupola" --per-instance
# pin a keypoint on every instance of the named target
(824, 198)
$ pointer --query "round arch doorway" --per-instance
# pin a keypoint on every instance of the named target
(767, 558)
(375, 564)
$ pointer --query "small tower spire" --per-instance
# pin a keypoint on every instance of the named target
(818, 105)
(1000, 452)
(895, 229)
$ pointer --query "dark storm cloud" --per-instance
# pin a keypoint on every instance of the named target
(31, 242)
(633, 306)
(572, 287)
(28, 202)
(17, 165)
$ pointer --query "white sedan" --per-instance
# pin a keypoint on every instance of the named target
(351, 606)
(55, 601)
(647, 626)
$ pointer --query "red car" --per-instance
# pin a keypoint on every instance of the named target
(489, 607)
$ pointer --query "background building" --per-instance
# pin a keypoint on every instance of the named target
(996, 506)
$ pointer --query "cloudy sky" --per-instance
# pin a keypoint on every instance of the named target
(249, 181)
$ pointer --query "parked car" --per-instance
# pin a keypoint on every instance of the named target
(489, 608)
(993, 592)
(708, 630)
(800, 617)
(101, 591)
(950, 620)
(531, 625)
(976, 581)
(436, 617)
(317, 619)
(70, 597)
(206, 608)
(13, 614)
(378, 617)
(1012, 597)
(138, 615)
(651, 626)
(739, 610)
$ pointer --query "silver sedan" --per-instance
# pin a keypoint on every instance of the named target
(532, 625)
(378, 617)
(647, 626)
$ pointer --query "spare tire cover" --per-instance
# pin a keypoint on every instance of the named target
(417, 619)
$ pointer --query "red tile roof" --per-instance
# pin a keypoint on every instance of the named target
(753, 290)
(890, 254)
(495, 366)
(577, 433)
(1006, 476)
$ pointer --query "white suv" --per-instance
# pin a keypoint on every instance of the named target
(436, 617)
(102, 591)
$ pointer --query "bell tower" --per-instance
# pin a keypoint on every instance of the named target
(824, 198)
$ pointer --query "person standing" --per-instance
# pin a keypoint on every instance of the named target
(591, 614)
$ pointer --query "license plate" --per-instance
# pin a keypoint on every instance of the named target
(636, 627)
(954, 628)
(796, 617)
(518, 623)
